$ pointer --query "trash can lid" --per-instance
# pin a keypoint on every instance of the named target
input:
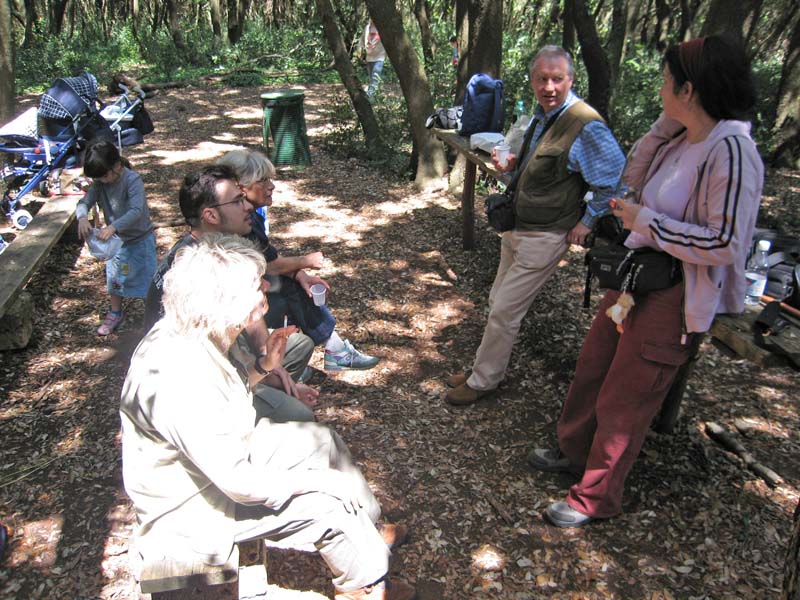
(283, 95)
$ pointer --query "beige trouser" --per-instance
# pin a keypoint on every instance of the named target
(527, 260)
(348, 541)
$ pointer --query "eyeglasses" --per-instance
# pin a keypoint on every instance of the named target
(240, 200)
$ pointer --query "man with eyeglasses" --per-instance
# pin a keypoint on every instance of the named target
(212, 201)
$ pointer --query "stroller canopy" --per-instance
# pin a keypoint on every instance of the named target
(68, 97)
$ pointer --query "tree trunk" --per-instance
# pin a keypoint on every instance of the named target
(568, 30)
(462, 38)
(174, 24)
(30, 20)
(7, 96)
(216, 21)
(485, 37)
(791, 568)
(57, 10)
(431, 162)
(616, 39)
(787, 121)
(594, 57)
(659, 38)
(421, 11)
(237, 10)
(728, 17)
(363, 108)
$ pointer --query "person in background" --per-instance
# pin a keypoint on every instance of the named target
(454, 47)
(375, 54)
(700, 177)
(291, 295)
(568, 149)
(203, 473)
(211, 202)
(119, 192)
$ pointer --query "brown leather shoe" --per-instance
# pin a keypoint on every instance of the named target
(464, 395)
(457, 379)
(393, 535)
(389, 589)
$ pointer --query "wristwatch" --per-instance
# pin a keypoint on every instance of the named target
(259, 369)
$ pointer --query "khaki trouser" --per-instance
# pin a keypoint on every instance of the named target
(347, 541)
(527, 260)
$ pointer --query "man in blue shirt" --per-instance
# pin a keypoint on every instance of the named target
(568, 150)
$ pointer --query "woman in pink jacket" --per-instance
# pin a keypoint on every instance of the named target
(700, 178)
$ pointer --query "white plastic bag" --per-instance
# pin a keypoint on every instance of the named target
(516, 133)
(103, 249)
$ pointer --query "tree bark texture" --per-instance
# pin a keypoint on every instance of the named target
(7, 96)
(366, 117)
(421, 12)
(724, 16)
(414, 83)
(787, 121)
(594, 57)
(174, 24)
(485, 37)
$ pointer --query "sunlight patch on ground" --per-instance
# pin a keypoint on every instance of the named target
(245, 113)
(204, 151)
(39, 547)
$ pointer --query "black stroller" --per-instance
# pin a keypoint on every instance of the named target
(36, 145)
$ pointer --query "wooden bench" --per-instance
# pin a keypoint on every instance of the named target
(175, 580)
(475, 159)
(25, 254)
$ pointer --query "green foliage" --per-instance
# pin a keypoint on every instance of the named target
(766, 77)
(635, 102)
(48, 57)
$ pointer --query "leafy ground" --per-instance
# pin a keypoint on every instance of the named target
(696, 524)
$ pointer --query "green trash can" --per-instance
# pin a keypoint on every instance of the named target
(284, 121)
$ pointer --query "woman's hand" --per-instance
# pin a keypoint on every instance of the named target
(306, 281)
(627, 211)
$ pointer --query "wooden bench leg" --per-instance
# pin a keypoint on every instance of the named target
(468, 206)
(253, 577)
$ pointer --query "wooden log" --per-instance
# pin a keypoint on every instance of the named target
(728, 440)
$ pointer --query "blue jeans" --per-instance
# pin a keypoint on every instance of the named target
(374, 69)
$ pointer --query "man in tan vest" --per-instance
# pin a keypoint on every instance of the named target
(568, 150)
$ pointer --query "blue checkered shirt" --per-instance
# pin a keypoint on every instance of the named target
(595, 154)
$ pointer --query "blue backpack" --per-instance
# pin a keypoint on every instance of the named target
(484, 105)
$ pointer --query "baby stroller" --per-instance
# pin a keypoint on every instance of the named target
(40, 142)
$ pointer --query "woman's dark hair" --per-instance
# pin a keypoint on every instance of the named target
(721, 75)
(101, 156)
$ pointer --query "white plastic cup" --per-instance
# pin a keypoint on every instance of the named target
(318, 294)
(501, 153)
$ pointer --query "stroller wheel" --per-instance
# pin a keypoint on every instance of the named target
(44, 188)
(21, 219)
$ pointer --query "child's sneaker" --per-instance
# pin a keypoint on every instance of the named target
(110, 323)
(349, 358)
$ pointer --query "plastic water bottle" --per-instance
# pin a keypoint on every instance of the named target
(519, 109)
(756, 273)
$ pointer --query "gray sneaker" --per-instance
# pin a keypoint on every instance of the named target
(562, 514)
(549, 459)
(349, 358)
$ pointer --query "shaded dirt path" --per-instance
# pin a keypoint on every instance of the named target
(696, 525)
